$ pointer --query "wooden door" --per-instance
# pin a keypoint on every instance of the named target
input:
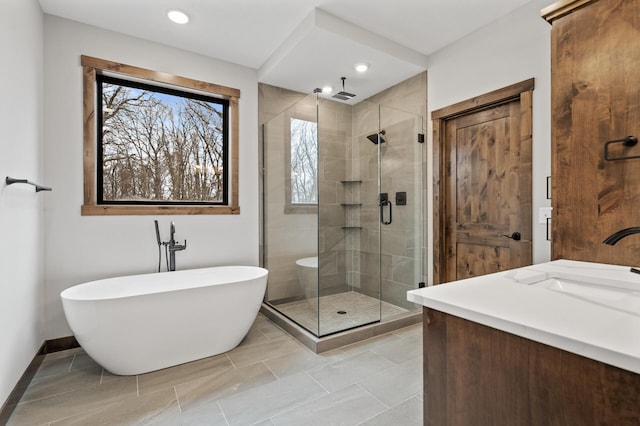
(485, 200)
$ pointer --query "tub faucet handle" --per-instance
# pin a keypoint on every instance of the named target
(178, 247)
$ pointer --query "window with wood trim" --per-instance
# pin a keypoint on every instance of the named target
(156, 143)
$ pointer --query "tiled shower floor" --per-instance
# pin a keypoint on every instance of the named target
(269, 379)
(359, 309)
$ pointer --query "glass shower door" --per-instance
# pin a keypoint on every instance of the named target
(401, 169)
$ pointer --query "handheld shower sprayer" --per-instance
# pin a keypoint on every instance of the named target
(158, 233)
(160, 244)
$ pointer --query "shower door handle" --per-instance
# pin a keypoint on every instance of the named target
(382, 204)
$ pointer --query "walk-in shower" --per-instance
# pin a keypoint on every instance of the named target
(343, 218)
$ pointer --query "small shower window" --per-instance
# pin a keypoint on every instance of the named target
(304, 162)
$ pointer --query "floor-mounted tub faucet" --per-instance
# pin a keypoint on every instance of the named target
(173, 247)
(617, 236)
(170, 248)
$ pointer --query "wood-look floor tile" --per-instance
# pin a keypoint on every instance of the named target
(64, 354)
(396, 384)
(370, 343)
(300, 361)
(55, 384)
(412, 330)
(74, 402)
(266, 422)
(198, 393)
(270, 330)
(251, 354)
(407, 413)
(348, 371)
(82, 360)
(253, 336)
(349, 406)
(206, 415)
(143, 410)
(54, 366)
(270, 399)
(169, 377)
(401, 350)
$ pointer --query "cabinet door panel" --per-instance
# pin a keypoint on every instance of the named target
(596, 98)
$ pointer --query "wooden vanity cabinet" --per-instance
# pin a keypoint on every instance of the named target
(477, 375)
(595, 75)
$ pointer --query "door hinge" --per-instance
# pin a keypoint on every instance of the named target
(420, 137)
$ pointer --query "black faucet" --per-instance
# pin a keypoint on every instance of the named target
(617, 236)
(173, 247)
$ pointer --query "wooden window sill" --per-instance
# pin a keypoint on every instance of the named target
(114, 210)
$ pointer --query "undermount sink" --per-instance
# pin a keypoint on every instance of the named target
(609, 295)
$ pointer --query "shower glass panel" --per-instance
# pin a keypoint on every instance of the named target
(290, 212)
(343, 213)
(348, 218)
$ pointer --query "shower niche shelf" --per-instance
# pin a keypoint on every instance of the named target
(349, 206)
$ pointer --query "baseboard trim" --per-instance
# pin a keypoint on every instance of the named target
(61, 344)
(47, 347)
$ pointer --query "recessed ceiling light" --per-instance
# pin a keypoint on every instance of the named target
(327, 89)
(361, 67)
(178, 16)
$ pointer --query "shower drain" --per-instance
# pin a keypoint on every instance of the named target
(341, 312)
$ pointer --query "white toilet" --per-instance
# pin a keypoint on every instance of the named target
(308, 275)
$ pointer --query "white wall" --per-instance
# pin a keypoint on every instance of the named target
(513, 49)
(21, 254)
(83, 248)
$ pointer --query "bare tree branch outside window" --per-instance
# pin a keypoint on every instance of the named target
(304, 162)
(161, 146)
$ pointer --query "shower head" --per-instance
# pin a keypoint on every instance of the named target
(343, 96)
(374, 137)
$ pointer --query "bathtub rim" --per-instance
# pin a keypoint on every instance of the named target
(92, 291)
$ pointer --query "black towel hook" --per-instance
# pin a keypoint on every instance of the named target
(629, 141)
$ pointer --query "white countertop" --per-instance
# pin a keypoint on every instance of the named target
(607, 330)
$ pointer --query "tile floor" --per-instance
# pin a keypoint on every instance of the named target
(360, 309)
(269, 379)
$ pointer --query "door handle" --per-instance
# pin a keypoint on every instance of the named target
(382, 204)
(516, 236)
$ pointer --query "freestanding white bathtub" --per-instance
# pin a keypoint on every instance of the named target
(141, 323)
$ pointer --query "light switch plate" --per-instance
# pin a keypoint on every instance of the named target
(544, 214)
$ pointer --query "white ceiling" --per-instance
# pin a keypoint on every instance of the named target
(300, 44)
